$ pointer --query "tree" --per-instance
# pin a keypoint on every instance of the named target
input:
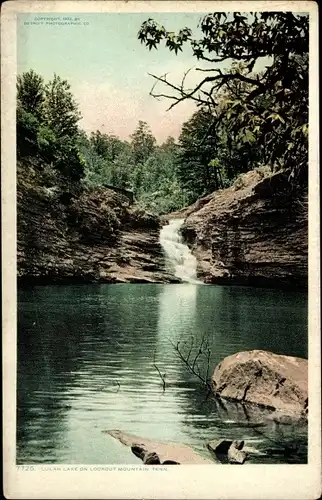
(197, 149)
(143, 142)
(30, 102)
(31, 93)
(270, 107)
(61, 116)
(106, 146)
(121, 168)
(61, 110)
(27, 127)
(109, 160)
(147, 169)
(47, 124)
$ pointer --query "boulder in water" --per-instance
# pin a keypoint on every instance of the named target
(235, 454)
(228, 451)
(264, 378)
(220, 447)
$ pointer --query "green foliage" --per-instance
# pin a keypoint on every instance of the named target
(47, 128)
(257, 117)
(61, 110)
(47, 117)
(31, 93)
(144, 168)
(68, 160)
(143, 142)
(106, 146)
(244, 120)
(108, 160)
(27, 131)
(169, 197)
(46, 141)
(198, 147)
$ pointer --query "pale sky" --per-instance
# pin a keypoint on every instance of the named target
(108, 68)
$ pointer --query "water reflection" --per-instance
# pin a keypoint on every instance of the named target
(177, 310)
(86, 358)
(44, 372)
(232, 320)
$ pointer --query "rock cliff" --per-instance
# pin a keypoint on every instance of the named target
(253, 233)
(91, 235)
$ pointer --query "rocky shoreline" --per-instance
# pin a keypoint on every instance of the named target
(153, 452)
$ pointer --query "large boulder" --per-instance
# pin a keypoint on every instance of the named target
(264, 378)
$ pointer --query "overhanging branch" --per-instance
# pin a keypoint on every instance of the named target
(220, 79)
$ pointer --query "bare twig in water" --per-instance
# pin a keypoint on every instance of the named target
(191, 362)
(162, 376)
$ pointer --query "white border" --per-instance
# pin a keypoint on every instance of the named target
(189, 482)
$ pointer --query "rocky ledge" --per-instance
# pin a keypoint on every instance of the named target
(253, 233)
(89, 235)
(264, 378)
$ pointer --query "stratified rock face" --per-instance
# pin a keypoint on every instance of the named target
(253, 233)
(94, 236)
(264, 378)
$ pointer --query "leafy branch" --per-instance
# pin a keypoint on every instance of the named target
(266, 110)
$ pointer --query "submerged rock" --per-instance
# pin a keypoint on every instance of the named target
(228, 451)
(220, 446)
(235, 454)
(264, 378)
(157, 452)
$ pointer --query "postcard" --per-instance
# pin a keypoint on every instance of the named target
(160, 250)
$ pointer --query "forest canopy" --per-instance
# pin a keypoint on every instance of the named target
(245, 117)
(257, 117)
(48, 129)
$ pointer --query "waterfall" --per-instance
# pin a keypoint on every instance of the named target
(179, 254)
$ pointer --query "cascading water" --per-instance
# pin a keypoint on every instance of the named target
(179, 254)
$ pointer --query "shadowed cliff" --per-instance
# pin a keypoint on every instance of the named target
(83, 235)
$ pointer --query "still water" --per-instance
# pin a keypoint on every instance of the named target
(86, 358)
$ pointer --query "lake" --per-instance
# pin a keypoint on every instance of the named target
(86, 363)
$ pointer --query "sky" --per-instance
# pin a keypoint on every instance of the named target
(108, 67)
